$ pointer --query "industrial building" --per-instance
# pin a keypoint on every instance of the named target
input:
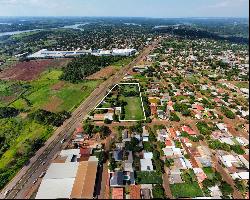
(44, 53)
(70, 177)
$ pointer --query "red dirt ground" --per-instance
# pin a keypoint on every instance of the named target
(58, 85)
(103, 73)
(26, 71)
(53, 104)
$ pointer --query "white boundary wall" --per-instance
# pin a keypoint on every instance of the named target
(96, 108)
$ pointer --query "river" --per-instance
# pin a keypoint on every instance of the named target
(75, 26)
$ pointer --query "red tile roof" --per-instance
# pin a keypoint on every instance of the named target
(85, 151)
(168, 143)
(135, 192)
(170, 103)
(79, 130)
(172, 132)
(117, 193)
(188, 130)
(199, 107)
(153, 110)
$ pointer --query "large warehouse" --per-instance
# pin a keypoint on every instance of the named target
(68, 179)
(44, 53)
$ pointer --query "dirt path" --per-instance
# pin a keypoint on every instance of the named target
(166, 184)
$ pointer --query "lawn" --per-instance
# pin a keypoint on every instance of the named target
(242, 85)
(182, 190)
(48, 92)
(148, 177)
(128, 93)
(209, 172)
(133, 109)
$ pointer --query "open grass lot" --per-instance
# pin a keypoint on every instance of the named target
(148, 178)
(20, 142)
(49, 93)
(9, 91)
(182, 190)
(128, 93)
(133, 109)
(242, 85)
(209, 172)
(20, 136)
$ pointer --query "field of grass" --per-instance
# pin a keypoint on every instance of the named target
(242, 85)
(21, 137)
(27, 131)
(133, 109)
(148, 178)
(186, 190)
(122, 62)
(66, 96)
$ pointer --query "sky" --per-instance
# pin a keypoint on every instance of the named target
(126, 8)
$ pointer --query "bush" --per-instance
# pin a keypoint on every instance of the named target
(158, 192)
(228, 113)
(7, 112)
(49, 118)
(174, 117)
(226, 189)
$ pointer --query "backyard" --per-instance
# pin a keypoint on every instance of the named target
(181, 190)
(148, 177)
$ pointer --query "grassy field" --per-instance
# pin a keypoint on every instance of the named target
(49, 93)
(242, 85)
(21, 136)
(182, 190)
(148, 178)
(26, 130)
(133, 109)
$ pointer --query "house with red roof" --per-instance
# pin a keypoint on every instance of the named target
(172, 133)
(200, 174)
(198, 107)
(117, 193)
(153, 109)
(135, 192)
(188, 130)
(169, 143)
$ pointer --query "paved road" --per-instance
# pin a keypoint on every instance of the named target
(20, 185)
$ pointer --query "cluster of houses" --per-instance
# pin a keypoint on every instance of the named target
(124, 174)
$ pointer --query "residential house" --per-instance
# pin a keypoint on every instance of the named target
(116, 179)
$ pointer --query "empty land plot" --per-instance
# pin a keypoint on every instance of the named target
(186, 190)
(133, 109)
(242, 84)
(49, 93)
(26, 71)
(127, 97)
(103, 73)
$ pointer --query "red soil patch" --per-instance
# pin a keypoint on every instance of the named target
(26, 71)
(103, 73)
(58, 85)
(53, 104)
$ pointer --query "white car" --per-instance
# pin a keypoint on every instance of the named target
(6, 192)
(42, 174)
(62, 141)
(35, 181)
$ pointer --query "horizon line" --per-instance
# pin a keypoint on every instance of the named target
(225, 17)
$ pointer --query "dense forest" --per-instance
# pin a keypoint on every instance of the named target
(80, 68)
